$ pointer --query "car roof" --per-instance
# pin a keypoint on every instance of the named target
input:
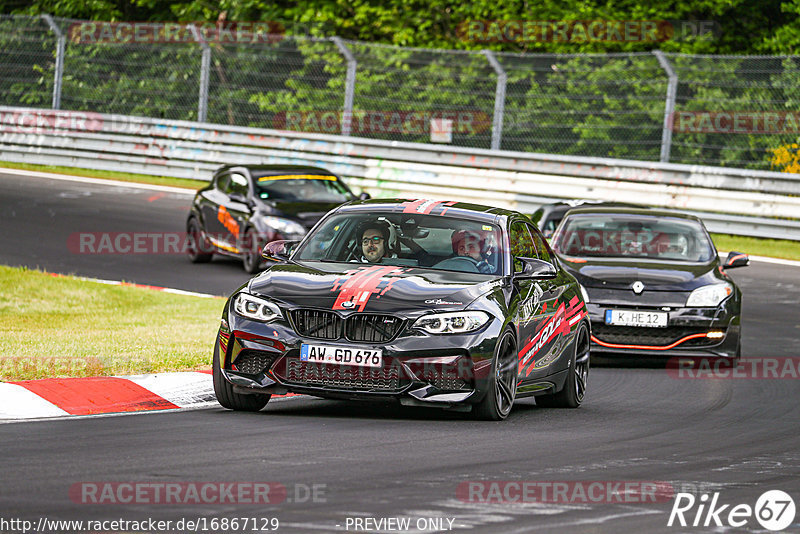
(465, 209)
(565, 206)
(644, 212)
(278, 169)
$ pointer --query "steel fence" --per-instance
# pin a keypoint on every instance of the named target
(518, 180)
(736, 111)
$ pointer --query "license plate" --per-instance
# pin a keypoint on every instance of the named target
(636, 318)
(341, 355)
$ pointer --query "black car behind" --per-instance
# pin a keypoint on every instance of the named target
(244, 207)
(653, 282)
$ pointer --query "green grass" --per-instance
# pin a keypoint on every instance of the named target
(67, 327)
(775, 248)
(111, 175)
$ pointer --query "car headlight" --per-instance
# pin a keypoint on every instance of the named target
(453, 322)
(284, 226)
(709, 296)
(255, 308)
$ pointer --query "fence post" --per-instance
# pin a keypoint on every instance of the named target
(60, 48)
(499, 99)
(205, 70)
(669, 106)
(350, 84)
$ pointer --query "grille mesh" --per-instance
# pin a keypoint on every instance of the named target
(632, 335)
(386, 378)
(254, 361)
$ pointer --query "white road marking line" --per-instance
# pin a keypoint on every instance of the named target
(103, 181)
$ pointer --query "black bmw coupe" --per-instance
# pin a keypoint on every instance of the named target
(653, 282)
(246, 206)
(429, 303)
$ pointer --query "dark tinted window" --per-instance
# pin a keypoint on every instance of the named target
(222, 182)
(522, 244)
(619, 235)
(542, 248)
(238, 184)
(429, 241)
(299, 187)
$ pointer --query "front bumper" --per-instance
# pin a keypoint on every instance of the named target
(449, 371)
(690, 332)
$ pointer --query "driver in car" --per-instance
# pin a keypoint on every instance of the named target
(373, 243)
(469, 244)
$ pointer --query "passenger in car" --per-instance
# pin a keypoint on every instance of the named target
(470, 244)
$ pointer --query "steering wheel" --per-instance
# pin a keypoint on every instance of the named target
(459, 263)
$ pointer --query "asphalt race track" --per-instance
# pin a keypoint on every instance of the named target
(735, 437)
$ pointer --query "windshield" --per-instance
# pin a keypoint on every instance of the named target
(430, 241)
(624, 236)
(301, 187)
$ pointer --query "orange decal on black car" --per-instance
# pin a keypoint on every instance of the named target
(227, 220)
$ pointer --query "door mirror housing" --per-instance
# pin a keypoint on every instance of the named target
(278, 251)
(736, 259)
(240, 198)
(535, 269)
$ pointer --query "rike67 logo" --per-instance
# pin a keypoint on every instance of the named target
(774, 511)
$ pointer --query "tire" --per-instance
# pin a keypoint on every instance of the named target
(574, 390)
(251, 258)
(499, 399)
(227, 397)
(197, 246)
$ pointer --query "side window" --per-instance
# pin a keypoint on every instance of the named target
(222, 182)
(543, 249)
(521, 244)
(238, 184)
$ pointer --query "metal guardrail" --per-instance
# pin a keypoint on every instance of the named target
(743, 202)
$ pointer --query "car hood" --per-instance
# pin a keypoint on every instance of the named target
(656, 276)
(369, 288)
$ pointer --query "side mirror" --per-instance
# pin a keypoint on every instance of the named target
(238, 197)
(535, 269)
(278, 251)
(364, 196)
(736, 259)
